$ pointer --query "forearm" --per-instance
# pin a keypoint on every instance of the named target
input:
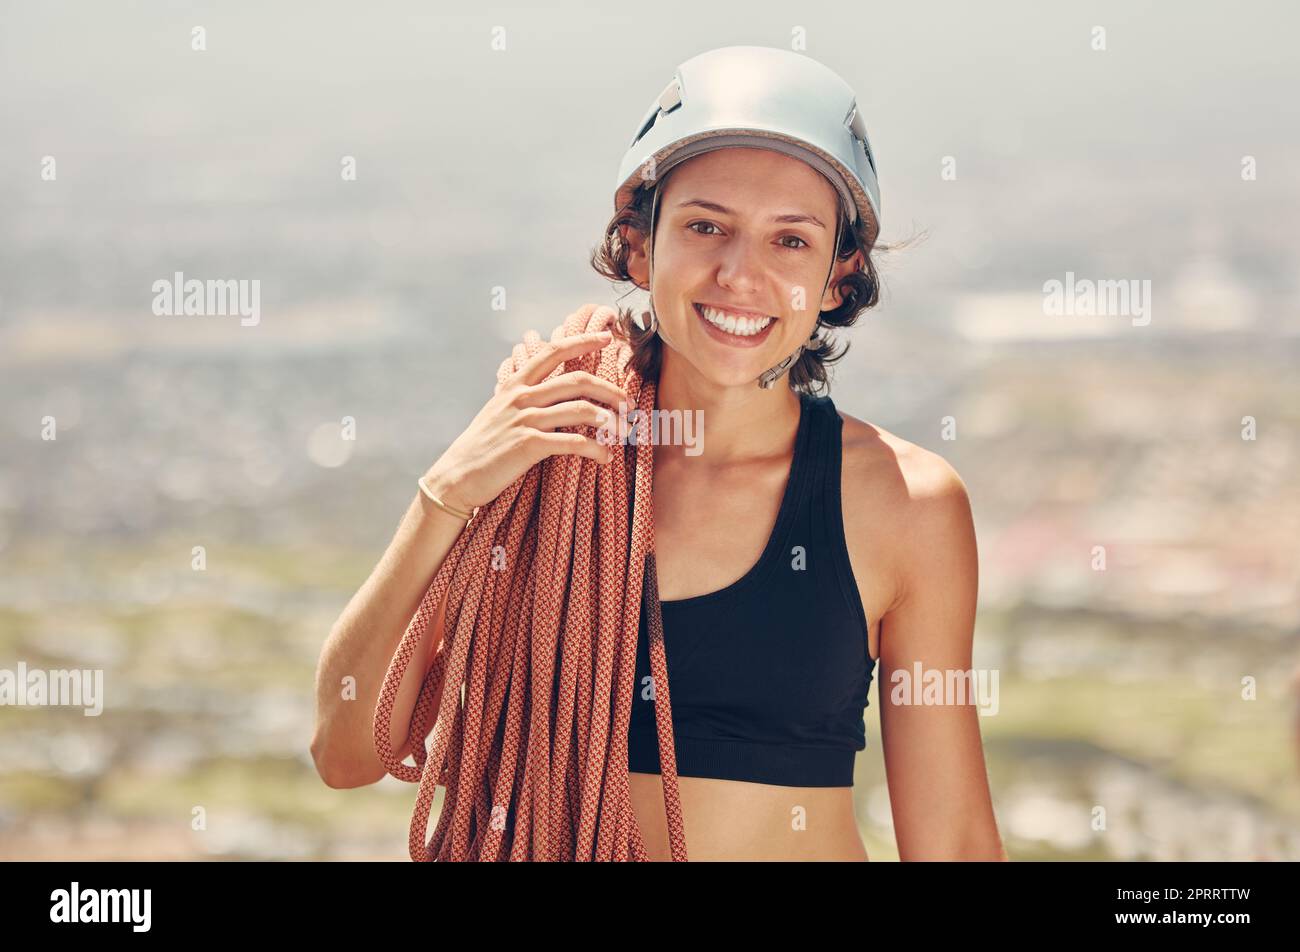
(363, 640)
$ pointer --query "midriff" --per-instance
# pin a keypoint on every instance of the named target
(737, 820)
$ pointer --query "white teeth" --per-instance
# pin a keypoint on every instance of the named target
(740, 325)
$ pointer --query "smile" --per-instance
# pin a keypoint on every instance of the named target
(730, 327)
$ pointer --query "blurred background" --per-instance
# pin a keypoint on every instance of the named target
(1159, 688)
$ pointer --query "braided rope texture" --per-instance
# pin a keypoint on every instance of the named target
(544, 589)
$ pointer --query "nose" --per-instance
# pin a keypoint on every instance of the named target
(740, 268)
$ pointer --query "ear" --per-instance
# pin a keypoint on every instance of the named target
(638, 266)
(833, 299)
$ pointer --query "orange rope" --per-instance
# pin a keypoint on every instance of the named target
(543, 591)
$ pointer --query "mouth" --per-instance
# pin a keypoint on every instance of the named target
(734, 328)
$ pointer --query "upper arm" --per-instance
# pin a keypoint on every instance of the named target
(934, 756)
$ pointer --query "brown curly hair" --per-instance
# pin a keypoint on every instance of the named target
(859, 289)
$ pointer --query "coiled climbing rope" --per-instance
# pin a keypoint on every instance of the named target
(544, 589)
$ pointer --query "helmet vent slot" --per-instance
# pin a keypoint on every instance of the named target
(668, 100)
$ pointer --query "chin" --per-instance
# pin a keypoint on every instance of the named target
(729, 376)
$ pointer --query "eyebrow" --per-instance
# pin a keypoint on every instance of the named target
(723, 210)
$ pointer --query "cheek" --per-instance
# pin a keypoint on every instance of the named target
(797, 288)
(673, 262)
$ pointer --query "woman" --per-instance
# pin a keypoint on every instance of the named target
(790, 545)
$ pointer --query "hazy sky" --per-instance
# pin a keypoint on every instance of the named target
(479, 168)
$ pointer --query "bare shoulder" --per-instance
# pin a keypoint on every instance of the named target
(905, 498)
(909, 476)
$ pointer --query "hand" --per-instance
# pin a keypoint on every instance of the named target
(516, 428)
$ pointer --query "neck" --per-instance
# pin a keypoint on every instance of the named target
(738, 423)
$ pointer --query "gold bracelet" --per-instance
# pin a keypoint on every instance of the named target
(467, 516)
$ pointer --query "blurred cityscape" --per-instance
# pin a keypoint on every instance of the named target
(1173, 446)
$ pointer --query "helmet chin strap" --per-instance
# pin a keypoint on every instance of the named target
(768, 378)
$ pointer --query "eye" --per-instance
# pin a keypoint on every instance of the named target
(707, 223)
(803, 244)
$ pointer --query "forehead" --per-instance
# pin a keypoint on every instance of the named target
(752, 181)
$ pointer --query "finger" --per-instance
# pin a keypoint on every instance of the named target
(570, 413)
(577, 383)
(540, 366)
(572, 444)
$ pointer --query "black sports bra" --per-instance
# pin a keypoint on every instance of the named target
(769, 676)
